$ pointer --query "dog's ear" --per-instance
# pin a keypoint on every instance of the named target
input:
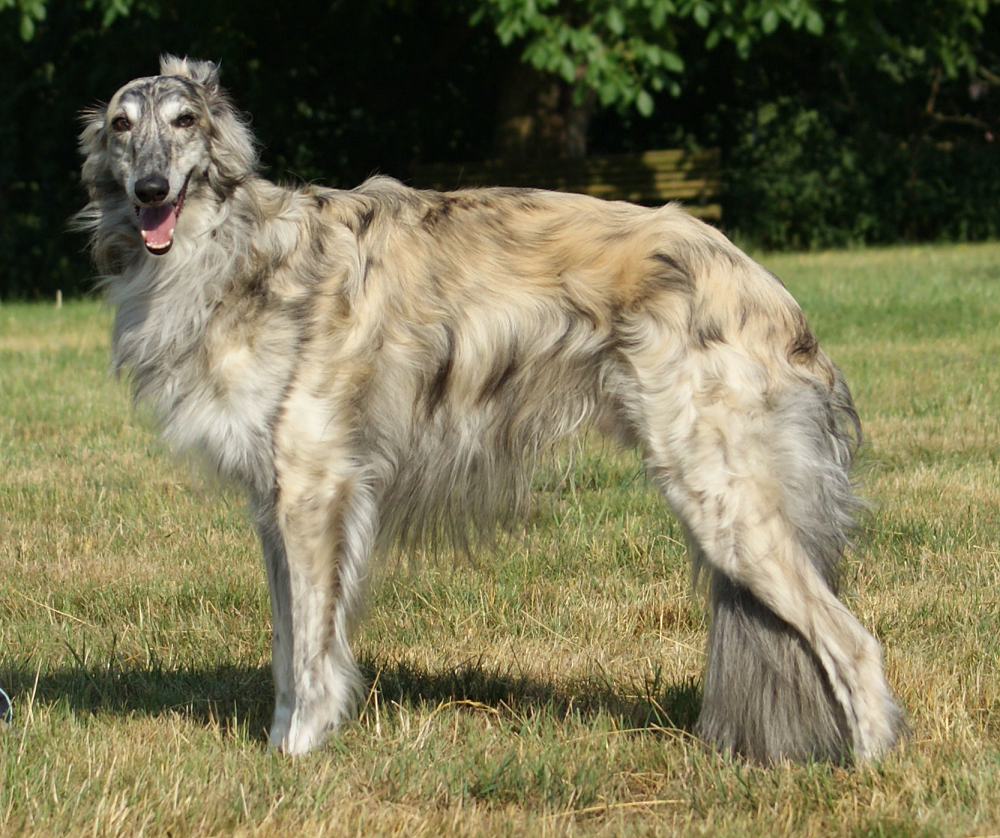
(234, 153)
(96, 177)
(203, 72)
(91, 126)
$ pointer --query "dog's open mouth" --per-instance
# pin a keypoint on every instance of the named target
(157, 224)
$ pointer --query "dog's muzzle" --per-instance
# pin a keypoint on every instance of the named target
(157, 215)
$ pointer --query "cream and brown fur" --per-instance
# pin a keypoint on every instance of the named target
(385, 363)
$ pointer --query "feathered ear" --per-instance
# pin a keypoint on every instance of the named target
(93, 146)
(92, 128)
(202, 72)
(234, 153)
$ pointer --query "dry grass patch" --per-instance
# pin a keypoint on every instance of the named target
(547, 689)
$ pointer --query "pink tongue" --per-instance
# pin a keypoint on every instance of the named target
(157, 224)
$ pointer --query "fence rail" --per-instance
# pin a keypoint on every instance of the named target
(654, 177)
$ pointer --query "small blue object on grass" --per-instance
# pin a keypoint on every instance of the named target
(5, 711)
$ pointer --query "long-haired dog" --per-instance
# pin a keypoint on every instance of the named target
(380, 363)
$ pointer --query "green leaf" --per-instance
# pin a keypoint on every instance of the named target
(610, 92)
(567, 68)
(32, 12)
(770, 21)
(814, 23)
(615, 20)
(671, 61)
(508, 29)
(948, 61)
(658, 14)
(644, 103)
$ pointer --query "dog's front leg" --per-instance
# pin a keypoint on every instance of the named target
(279, 585)
(315, 564)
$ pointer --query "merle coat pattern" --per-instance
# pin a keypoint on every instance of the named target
(385, 363)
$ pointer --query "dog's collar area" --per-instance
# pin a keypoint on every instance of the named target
(157, 223)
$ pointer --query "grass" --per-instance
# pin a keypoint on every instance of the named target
(548, 689)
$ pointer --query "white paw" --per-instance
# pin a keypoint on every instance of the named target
(292, 735)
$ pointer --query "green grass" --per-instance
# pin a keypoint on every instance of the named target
(546, 689)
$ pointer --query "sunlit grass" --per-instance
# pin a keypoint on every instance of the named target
(548, 688)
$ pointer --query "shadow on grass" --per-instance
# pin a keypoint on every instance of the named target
(230, 696)
(241, 698)
(658, 706)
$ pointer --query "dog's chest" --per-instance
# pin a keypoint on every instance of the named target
(217, 393)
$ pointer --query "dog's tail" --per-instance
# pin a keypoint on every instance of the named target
(766, 697)
(791, 673)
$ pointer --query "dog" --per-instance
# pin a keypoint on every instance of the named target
(380, 365)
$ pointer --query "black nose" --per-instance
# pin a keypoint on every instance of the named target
(152, 189)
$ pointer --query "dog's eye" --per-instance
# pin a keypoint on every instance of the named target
(121, 124)
(185, 120)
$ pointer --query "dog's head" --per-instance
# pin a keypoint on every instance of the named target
(163, 140)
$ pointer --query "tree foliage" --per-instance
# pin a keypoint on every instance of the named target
(31, 13)
(628, 51)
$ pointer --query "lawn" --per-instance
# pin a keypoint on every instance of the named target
(548, 688)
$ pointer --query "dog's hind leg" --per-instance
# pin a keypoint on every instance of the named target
(314, 562)
(758, 472)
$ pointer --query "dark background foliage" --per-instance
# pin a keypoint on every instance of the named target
(841, 122)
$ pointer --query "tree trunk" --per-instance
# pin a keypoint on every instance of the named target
(538, 116)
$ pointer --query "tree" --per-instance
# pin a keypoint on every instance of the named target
(936, 56)
(627, 51)
(580, 55)
(33, 12)
(619, 53)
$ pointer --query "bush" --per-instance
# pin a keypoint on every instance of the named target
(796, 180)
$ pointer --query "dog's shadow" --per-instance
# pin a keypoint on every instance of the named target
(240, 698)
